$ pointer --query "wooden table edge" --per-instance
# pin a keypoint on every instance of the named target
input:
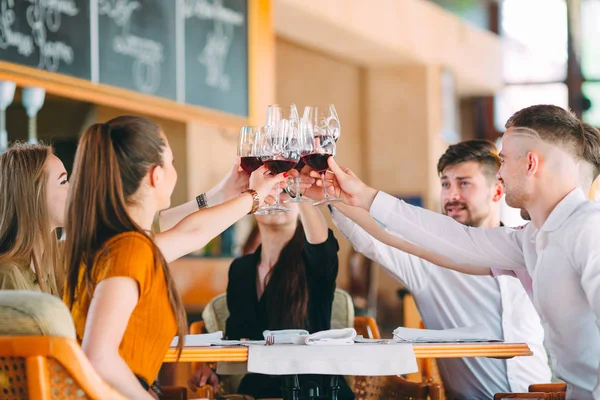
(422, 350)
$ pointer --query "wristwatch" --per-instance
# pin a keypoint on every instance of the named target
(255, 200)
(201, 200)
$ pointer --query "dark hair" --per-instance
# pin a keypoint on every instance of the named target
(110, 163)
(561, 127)
(591, 150)
(480, 151)
(287, 283)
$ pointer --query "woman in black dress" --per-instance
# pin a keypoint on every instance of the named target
(287, 283)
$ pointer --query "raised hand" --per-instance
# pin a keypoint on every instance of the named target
(263, 182)
(343, 183)
(232, 184)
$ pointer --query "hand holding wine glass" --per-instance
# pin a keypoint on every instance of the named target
(323, 129)
(346, 186)
(262, 181)
(235, 182)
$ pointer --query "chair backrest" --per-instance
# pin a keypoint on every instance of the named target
(389, 387)
(39, 356)
(48, 368)
(367, 327)
(24, 312)
(215, 313)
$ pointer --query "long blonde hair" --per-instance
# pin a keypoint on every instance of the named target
(25, 235)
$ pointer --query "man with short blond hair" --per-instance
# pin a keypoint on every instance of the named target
(557, 254)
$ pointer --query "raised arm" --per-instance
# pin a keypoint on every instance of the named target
(499, 248)
(399, 257)
(197, 229)
(235, 182)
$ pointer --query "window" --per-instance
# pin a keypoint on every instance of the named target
(590, 58)
(590, 32)
(535, 56)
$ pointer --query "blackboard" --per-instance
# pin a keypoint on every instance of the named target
(216, 54)
(137, 45)
(49, 35)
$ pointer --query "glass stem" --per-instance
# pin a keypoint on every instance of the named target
(277, 194)
(298, 194)
(324, 184)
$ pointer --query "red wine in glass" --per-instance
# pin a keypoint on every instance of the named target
(279, 166)
(250, 164)
(317, 161)
(300, 165)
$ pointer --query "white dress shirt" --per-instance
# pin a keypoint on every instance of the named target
(562, 258)
(447, 299)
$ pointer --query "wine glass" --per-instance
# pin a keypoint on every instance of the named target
(280, 154)
(301, 142)
(248, 149)
(275, 113)
(322, 124)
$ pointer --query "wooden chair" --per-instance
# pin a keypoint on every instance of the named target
(40, 358)
(547, 391)
(428, 368)
(388, 387)
(48, 368)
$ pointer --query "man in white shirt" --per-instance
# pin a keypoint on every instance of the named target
(448, 299)
(543, 149)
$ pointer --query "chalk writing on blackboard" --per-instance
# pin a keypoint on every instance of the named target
(218, 41)
(42, 17)
(146, 53)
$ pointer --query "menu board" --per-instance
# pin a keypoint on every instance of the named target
(49, 35)
(137, 45)
(192, 51)
(216, 54)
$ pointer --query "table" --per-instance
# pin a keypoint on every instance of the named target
(422, 350)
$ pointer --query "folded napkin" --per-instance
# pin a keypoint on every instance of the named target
(476, 333)
(285, 336)
(204, 339)
(331, 337)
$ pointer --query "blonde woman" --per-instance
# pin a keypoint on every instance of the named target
(33, 193)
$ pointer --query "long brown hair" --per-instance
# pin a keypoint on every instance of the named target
(288, 286)
(25, 236)
(110, 163)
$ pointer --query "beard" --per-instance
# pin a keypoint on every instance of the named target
(465, 217)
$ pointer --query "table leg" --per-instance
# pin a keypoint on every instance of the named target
(291, 387)
(335, 387)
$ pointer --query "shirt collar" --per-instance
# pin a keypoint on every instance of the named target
(563, 210)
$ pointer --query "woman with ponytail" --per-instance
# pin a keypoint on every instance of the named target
(119, 288)
(287, 283)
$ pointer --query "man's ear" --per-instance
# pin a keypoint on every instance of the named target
(498, 191)
(533, 163)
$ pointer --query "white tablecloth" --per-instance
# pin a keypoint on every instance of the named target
(356, 359)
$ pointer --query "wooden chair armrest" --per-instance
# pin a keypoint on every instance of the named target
(548, 387)
(173, 393)
(531, 395)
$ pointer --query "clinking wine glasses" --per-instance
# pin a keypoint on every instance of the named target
(321, 130)
(280, 153)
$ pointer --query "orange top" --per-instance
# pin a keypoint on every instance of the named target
(152, 324)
